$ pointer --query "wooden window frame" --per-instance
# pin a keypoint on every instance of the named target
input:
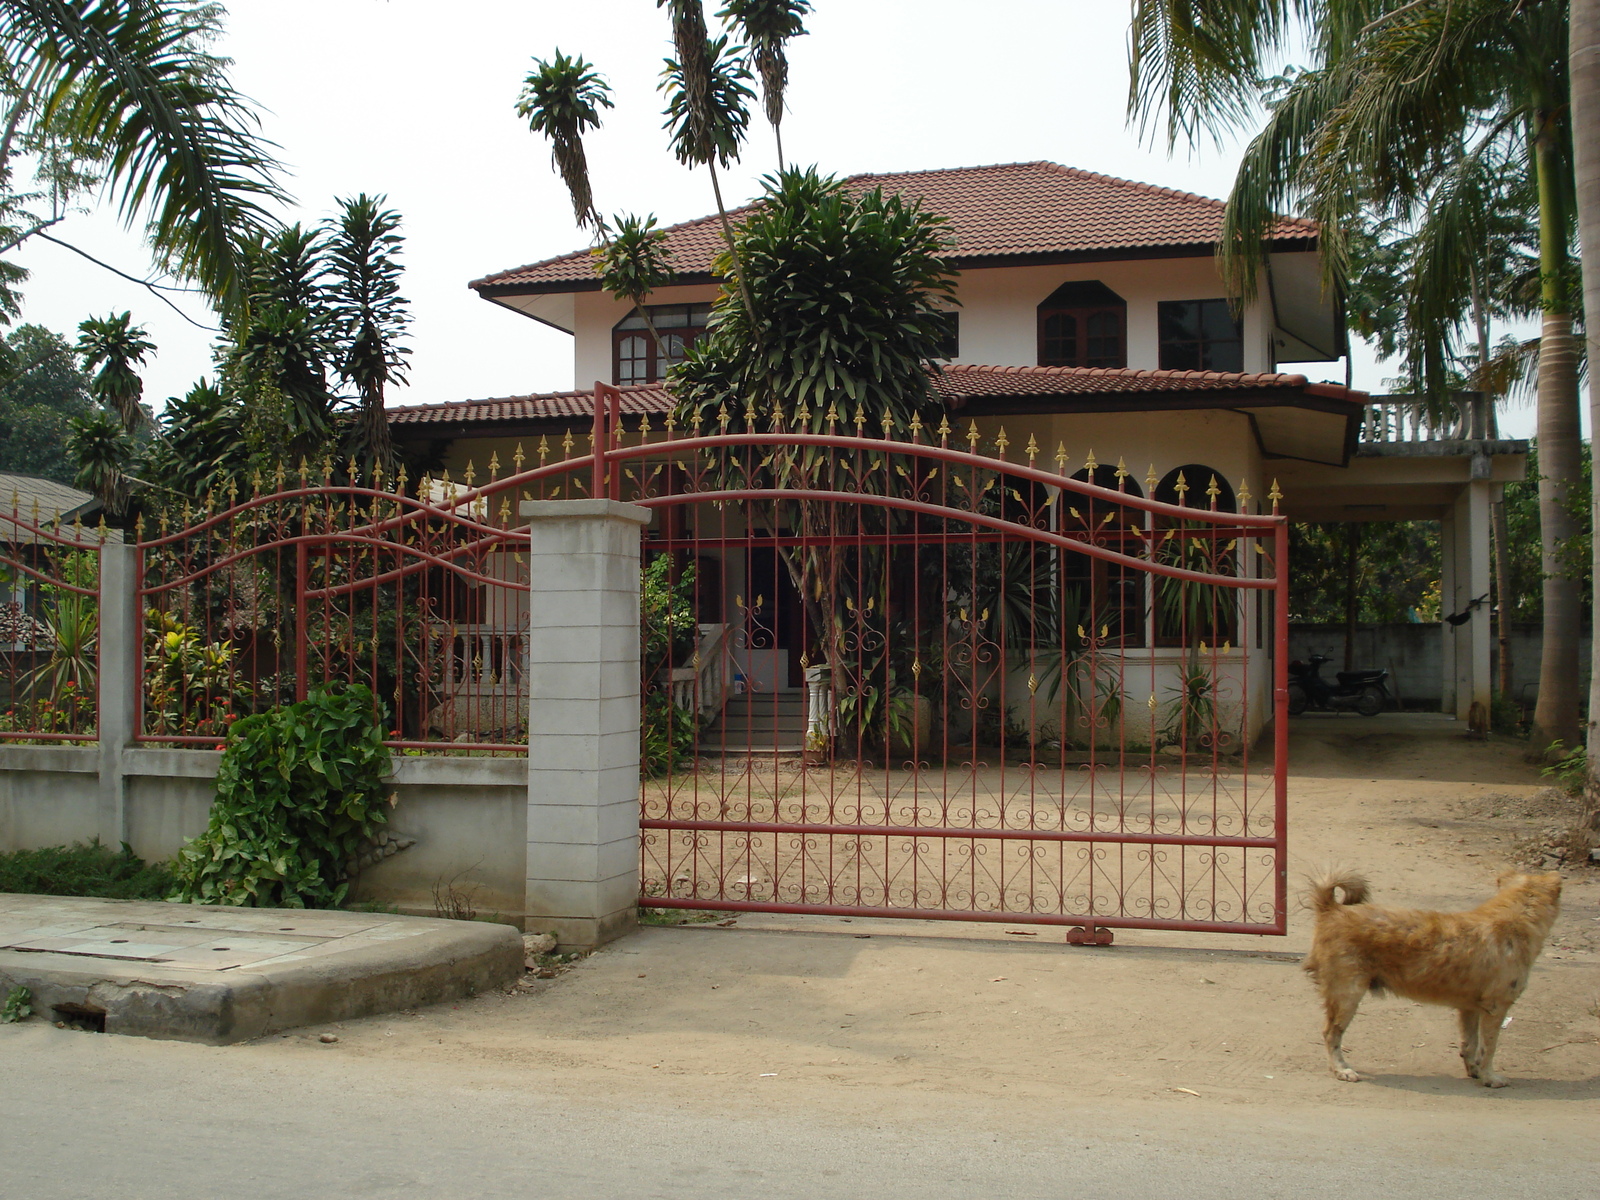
(690, 333)
(1080, 356)
(1202, 344)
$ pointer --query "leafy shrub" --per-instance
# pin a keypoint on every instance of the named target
(1568, 767)
(191, 687)
(300, 793)
(85, 869)
(667, 735)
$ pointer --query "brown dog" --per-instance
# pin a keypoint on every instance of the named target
(1475, 962)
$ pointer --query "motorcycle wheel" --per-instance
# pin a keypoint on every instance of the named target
(1297, 700)
(1370, 702)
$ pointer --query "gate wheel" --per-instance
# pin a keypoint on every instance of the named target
(1078, 935)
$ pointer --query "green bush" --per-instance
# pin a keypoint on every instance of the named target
(85, 870)
(300, 793)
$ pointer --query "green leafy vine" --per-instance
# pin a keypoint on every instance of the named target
(300, 793)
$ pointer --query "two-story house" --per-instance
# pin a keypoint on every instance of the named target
(1091, 316)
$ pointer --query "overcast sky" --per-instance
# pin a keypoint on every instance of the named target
(414, 99)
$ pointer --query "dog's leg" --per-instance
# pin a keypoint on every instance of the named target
(1488, 1038)
(1341, 1010)
(1471, 1054)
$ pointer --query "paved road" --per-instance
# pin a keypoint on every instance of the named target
(92, 1115)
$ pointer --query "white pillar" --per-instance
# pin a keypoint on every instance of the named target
(1447, 604)
(119, 681)
(1474, 640)
(583, 719)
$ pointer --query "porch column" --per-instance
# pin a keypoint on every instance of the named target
(1473, 640)
(1447, 605)
(583, 719)
(120, 678)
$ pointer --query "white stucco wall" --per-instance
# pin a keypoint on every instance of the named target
(998, 312)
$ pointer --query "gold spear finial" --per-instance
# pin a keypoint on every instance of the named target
(494, 466)
(972, 436)
(1091, 465)
(1031, 449)
(1061, 458)
(1150, 480)
(518, 458)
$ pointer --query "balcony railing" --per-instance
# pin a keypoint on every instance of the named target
(1405, 420)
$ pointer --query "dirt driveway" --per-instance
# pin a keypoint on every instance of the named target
(946, 1010)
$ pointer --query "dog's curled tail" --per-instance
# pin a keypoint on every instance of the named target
(1352, 884)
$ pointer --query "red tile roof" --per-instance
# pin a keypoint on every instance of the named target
(1014, 209)
(960, 382)
(957, 384)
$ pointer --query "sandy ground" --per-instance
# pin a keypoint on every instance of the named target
(991, 1034)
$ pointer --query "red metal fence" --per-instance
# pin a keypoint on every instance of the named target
(420, 597)
(49, 626)
(908, 671)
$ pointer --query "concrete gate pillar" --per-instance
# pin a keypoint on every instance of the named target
(1473, 640)
(583, 719)
(119, 682)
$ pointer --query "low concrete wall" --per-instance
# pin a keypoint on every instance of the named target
(1413, 653)
(468, 816)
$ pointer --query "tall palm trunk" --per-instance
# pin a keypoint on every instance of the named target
(727, 236)
(1560, 465)
(1584, 60)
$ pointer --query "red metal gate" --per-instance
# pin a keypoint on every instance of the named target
(895, 676)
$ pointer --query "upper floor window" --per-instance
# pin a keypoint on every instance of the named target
(1083, 324)
(636, 360)
(1199, 335)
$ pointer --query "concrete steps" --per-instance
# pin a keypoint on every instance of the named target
(758, 723)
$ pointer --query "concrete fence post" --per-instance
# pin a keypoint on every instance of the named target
(119, 680)
(583, 719)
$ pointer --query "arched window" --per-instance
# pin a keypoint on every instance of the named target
(1186, 612)
(1189, 486)
(635, 360)
(1109, 597)
(1083, 324)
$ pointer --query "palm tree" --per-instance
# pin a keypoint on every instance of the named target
(710, 134)
(1584, 66)
(115, 346)
(1402, 104)
(279, 345)
(766, 26)
(367, 314)
(561, 99)
(178, 146)
(103, 451)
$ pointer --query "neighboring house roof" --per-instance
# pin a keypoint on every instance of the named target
(962, 386)
(1003, 215)
(46, 503)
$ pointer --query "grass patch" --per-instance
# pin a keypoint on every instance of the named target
(680, 916)
(85, 869)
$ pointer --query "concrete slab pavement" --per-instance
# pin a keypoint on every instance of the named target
(204, 974)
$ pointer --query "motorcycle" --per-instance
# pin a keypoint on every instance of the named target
(1364, 691)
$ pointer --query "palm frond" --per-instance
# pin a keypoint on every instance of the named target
(180, 147)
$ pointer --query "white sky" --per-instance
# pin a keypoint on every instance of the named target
(415, 100)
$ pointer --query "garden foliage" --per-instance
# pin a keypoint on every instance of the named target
(300, 793)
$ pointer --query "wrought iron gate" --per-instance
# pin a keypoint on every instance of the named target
(896, 676)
